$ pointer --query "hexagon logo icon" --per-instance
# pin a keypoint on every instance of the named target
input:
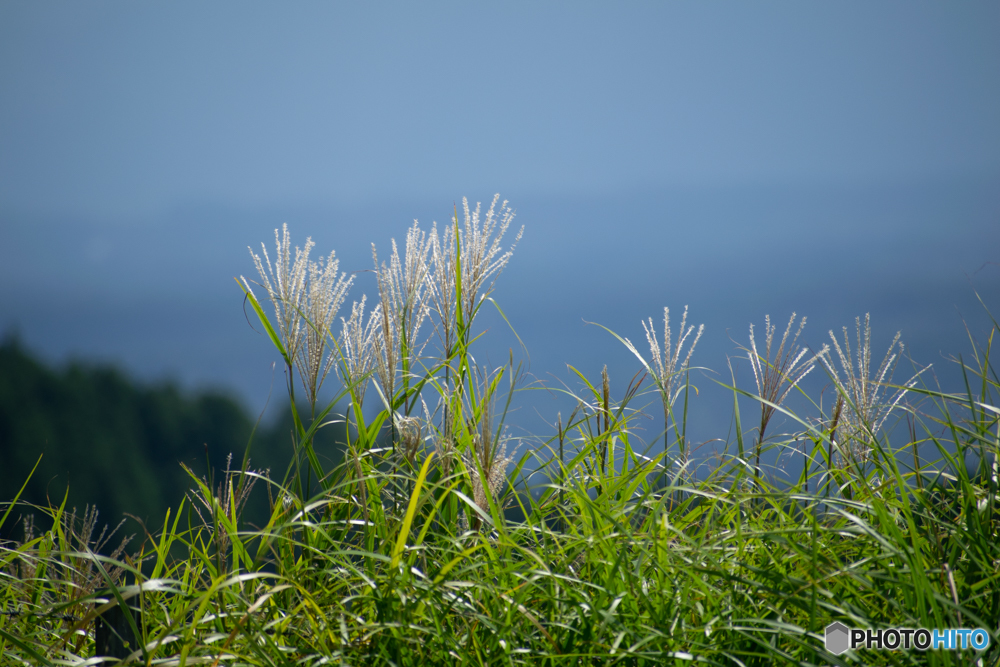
(837, 638)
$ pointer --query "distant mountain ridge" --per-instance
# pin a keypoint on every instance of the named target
(116, 443)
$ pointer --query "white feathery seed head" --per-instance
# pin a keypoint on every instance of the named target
(667, 367)
(357, 348)
(410, 436)
(385, 351)
(869, 398)
(482, 260)
(777, 375)
(488, 451)
(441, 282)
(285, 283)
(493, 460)
(786, 365)
(306, 297)
(402, 287)
(325, 294)
(478, 247)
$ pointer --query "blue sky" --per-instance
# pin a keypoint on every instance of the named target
(828, 158)
(118, 110)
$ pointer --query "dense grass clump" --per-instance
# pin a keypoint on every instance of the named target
(430, 544)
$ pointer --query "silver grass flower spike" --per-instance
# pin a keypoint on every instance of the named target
(479, 244)
(869, 399)
(667, 367)
(402, 287)
(385, 351)
(410, 437)
(481, 258)
(356, 348)
(441, 283)
(486, 457)
(285, 283)
(306, 297)
(491, 455)
(777, 376)
(324, 296)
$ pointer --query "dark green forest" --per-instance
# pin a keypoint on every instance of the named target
(117, 444)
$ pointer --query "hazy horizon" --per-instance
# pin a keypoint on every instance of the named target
(181, 315)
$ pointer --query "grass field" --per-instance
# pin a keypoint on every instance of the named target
(431, 544)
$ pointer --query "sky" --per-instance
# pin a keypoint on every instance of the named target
(743, 158)
(117, 110)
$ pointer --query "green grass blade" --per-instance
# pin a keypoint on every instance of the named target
(411, 510)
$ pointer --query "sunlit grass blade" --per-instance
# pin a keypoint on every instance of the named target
(411, 510)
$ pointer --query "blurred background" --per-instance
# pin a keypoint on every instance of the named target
(743, 159)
